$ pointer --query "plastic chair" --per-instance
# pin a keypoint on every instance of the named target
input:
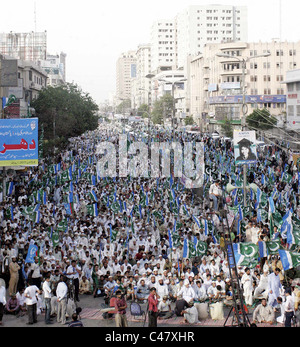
(136, 310)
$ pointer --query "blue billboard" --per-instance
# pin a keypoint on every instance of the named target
(19, 142)
(250, 99)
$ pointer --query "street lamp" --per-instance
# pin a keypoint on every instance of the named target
(173, 83)
(244, 107)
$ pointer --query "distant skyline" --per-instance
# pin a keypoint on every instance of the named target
(94, 33)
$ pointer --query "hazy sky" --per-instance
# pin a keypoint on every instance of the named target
(94, 33)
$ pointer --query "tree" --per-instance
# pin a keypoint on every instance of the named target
(227, 128)
(162, 109)
(143, 111)
(64, 111)
(124, 106)
(261, 119)
(189, 120)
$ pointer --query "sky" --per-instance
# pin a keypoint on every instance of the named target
(94, 33)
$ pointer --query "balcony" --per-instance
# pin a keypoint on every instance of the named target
(234, 72)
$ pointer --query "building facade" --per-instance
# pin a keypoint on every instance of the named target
(199, 25)
(163, 44)
(125, 72)
(55, 67)
(293, 99)
(216, 82)
(141, 85)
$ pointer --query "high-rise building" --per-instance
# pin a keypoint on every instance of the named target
(163, 44)
(142, 85)
(125, 71)
(199, 25)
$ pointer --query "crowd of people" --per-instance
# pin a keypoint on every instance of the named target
(126, 236)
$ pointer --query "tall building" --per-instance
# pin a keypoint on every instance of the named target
(163, 44)
(200, 25)
(142, 85)
(175, 41)
(126, 71)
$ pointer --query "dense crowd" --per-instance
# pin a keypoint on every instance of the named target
(101, 235)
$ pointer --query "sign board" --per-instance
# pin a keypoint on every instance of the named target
(244, 147)
(230, 85)
(250, 99)
(13, 110)
(19, 142)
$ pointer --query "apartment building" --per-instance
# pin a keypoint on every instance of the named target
(216, 77)
(141, 85)
(55, 67)
(204, 24)
(292, 82)
(125, 72)
(163, 44)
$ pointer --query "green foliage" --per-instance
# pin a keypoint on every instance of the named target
(143, 111)
(227, 128)
(64, 112)
(189, 120)
(162, 109)
(261, 119)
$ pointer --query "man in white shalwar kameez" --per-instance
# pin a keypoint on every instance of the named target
(247, 282)
(274, 286)
(264, 313)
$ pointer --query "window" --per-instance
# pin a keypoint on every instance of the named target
(291, 111)
(298, 110)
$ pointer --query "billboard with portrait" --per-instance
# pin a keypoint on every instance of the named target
(245, 147)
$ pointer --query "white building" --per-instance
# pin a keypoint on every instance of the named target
(293, 99)
(55, 66)
(204, 24)
(163, 44)
(216, 83)
(141, 85)
(126, 71)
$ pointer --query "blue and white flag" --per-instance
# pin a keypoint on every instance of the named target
(31, 254)
(271, 205)
(262, 249)
(258, 197)
(10, 187)
(44, 198)
(288, 259)
(287, 225)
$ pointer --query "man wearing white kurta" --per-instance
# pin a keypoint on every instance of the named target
(274, 286)
(187, 292)
(247, 283)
